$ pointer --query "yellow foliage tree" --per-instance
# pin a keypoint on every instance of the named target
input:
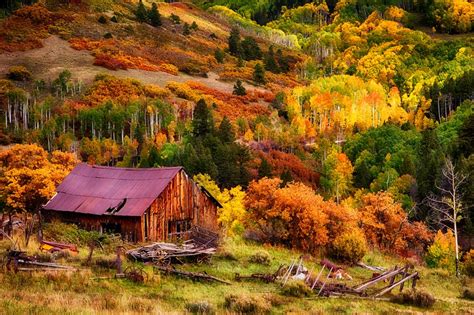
(233, 212)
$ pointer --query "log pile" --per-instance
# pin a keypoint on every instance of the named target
(161, 253)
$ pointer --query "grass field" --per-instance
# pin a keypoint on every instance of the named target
(88, 291)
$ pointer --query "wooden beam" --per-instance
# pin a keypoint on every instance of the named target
(382, 277)
(390, 287)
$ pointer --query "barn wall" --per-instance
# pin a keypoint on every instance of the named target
(182, 203)
(130, 226)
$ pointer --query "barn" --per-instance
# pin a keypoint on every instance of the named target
(142, 204)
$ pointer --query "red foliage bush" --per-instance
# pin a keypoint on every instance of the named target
(282, 161)
(109, 62)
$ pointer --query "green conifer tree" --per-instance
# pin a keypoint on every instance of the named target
(239, 89)
(270, 62)
(219, 55)
(141, 13)
(265, 169)
(234, 42)
(286, 177)
(259, 74)
(154, 15)
(226, 132)
(203, 122)
(186, 30)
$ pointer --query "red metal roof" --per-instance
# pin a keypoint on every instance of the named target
(102, 190)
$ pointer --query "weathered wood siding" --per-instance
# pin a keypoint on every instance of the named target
(130, 227)
(182, 200)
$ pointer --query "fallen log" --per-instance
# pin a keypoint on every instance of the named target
(192, 275)
(265, 277)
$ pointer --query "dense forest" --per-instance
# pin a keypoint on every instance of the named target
(326, 126)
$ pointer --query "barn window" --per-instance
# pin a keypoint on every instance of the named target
(178, 228)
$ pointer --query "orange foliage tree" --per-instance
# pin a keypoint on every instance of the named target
(294, 215)
(387, 227)
(30, 176)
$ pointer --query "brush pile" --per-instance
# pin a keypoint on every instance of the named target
(162, 253)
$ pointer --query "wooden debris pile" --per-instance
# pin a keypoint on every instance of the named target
(162, 253)
(19, 261)
(201, 245)
(54, 247)
(323, 285)
(396, 277)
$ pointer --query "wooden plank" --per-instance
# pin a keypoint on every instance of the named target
(378, 279)
(324, 284)
(390, 287)
(317, 278)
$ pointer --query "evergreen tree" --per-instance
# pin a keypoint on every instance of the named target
(259, 74)
(203, 122)
(430, 161)
(175, 18)
(225, 160)
(270, 62)
(154, 157)
(198, 159)
(219, 55)
(286, 177)
(186, 30)
(226, 132)
(141, 13)
(265, 169)
(283, 63)
(102, 20)
(239, 89)
(154, 15)
(114, 19)
(240, 62)
(234, 42)
(194, 26)
(250, 49)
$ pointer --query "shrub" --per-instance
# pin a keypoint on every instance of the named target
(350, 246)
(246, 304)
(415, 298)
(441, 254)
(108, 35)
(468, 263)
(114, 19)
(175, 18)
(102, 19)
(19, 73)
(296, 289)
(36, 13)
(468, 294)
(261, 257)
(201, 307)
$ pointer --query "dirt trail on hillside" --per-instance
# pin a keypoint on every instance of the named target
(56, 55)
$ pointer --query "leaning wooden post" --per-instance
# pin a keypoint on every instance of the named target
(404, 274)
(324, 284)
(317, 278)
